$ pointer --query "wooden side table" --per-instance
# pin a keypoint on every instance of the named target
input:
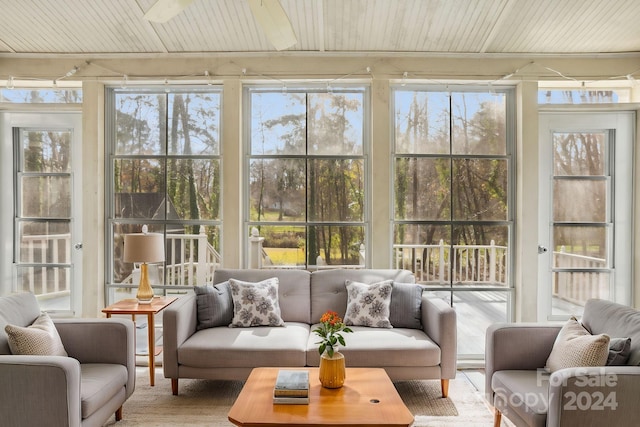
(132, 307)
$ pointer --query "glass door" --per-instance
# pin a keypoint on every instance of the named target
(47, 200)
(585, 200)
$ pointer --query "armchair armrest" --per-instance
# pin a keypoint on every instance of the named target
(439, 323)
(101, 341)
(178, 323)
(39, 390)
(517, 346)
(606, 395)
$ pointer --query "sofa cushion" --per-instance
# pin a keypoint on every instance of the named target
(406, 305)
(40, 338)
(619, 351)
(255, 304)
(99, 383)
(368, 305)
(246, 347)
(376, 347)
(215, 305)
(575, 346)
(525, 392)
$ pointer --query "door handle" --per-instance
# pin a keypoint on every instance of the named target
(542, 249)
(77, 246)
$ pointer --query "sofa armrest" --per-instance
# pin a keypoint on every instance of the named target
(179, 322)
(101, 341)
(39, 391)
(606, 395)
(439, 323)
(517, 346)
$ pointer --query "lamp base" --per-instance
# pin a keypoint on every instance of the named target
(145, 292)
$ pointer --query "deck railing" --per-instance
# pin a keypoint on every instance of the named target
(578, 286)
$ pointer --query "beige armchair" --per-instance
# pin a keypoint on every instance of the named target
(84, 389)
(518, 386)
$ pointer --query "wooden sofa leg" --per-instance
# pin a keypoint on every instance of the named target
(119, 414)
(497, 418)
(445, 387)
(174, 386)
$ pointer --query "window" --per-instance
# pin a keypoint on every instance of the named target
(452, 219)
(164, 169)
(306, 175)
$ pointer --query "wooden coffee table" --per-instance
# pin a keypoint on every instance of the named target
(368, 398)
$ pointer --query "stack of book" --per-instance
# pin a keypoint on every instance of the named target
(292, 387)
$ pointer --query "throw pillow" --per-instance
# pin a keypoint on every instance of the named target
(619, 351)
(41, 338)
(406, 305)
(575, 346)
(215, 305)
(368, 305)
(255, 304)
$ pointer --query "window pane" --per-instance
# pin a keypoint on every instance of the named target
(579, 154)
(336, 190)
(421, 248)
(479, 125)
(572, 288)
(422, 188)
(480, 255)
(580, 247)
(284, 245)
(44, 242)
(139, 188)
(45, 197)
(140, 129)
(41, 96)
(192, 254)
(336, 245)
(422, 122)
(480, 189)
(579, 200)
(277, 189)
(46, 151)
(193, 188)
(278, 123)
(475, 312)
(335, 123)
(194, 124)
(53, 282)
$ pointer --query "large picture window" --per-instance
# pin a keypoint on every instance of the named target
(453, 223)
(164, 172)
(306, 176)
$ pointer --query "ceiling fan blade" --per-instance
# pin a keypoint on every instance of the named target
(164, 10)
(274, 22)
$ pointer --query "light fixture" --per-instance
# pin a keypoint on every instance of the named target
(404, 79)
(125, 79)
(144, 248)
(10, 83)
(208, 76)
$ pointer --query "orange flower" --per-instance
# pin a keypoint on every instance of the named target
(330, 327)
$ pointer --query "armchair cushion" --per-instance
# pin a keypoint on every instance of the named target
(39, 339)
(575, 346)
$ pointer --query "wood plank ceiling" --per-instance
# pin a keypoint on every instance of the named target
(37, 27)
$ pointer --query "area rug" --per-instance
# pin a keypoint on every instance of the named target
(207, 403)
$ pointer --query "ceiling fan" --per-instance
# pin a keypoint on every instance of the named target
(269, 14)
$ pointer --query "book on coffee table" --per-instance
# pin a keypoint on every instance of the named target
(290, 400)
(291, 384)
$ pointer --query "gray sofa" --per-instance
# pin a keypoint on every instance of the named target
(518, 386)
(84, 389)
(231, 353)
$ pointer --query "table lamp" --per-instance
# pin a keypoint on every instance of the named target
(144, 248)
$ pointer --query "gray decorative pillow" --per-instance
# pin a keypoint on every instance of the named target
(41, 338)
(215, 305)
(619, 351)
(406, 304)
(255, 304)
(575, 346)
(368, 305)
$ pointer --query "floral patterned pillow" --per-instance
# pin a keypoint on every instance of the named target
(255, 304)
(368, 305)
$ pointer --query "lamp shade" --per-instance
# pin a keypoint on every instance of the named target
(143, 247)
